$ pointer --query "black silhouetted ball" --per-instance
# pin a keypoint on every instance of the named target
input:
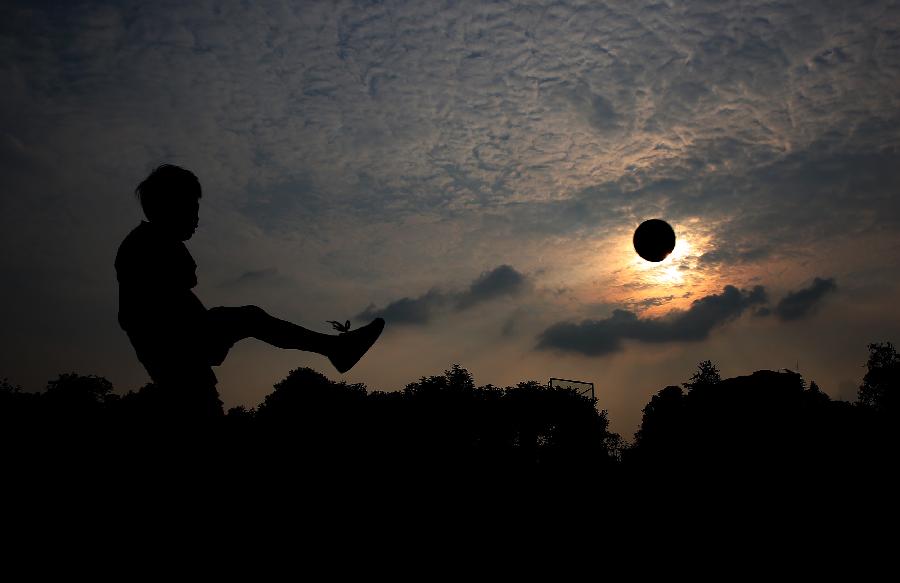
(654, 240)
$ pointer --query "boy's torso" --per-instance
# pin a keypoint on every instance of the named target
(156, 275)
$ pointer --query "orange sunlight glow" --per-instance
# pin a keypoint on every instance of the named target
(667, 272)
(623, 277)
(676, 275)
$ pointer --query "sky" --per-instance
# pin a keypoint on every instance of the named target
(473, 173)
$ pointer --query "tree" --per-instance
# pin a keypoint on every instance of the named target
(815, 395)
(17, 407)
(78, 392)
(8, 388)
(455, 382)
(707, 375)
(308, 398)
(880, 388)
(660, 438)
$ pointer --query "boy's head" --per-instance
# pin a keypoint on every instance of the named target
(170, 197)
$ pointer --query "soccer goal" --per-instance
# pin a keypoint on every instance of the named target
(580, 387)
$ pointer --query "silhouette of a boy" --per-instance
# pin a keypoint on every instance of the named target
(176, 338)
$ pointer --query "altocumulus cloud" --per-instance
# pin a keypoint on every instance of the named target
(600, 337)
(266, 276)
(498, 282)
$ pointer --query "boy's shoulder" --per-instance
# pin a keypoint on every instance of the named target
(146, 248)
(141, 239)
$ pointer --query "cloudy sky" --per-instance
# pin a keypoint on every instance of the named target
(471, 171)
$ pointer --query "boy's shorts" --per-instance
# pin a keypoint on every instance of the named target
(186, 356)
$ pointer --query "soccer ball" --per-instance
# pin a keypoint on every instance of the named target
(654, 239)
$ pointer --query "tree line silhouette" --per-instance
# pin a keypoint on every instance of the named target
(766, 423)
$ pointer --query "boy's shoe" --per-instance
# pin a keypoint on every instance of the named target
(351, 346)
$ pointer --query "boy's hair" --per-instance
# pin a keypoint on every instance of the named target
(166, 182)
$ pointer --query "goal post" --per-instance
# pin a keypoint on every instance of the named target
(583, 388)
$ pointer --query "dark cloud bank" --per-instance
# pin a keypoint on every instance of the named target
(601, 337)
(499, 282)
(801, 303)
